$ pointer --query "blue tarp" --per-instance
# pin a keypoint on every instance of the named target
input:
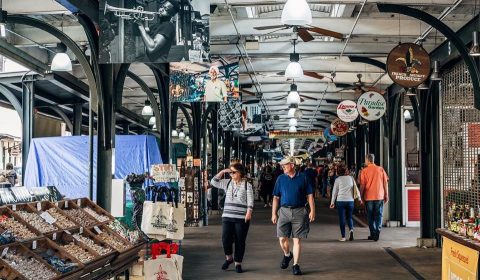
(63, 161)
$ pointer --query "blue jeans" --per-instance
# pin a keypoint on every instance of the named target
(342, 207)
(324, 188)
(374, 216)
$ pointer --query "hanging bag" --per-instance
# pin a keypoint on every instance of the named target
(176, 219)
(155, 217)
(164, 268)
(355, 191)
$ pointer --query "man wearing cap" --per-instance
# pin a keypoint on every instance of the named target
(215, 89)
(158, 39)
(292, 191)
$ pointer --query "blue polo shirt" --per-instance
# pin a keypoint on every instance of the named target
(292, 191)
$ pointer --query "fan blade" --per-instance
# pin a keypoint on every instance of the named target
(344, 85)
(309, 97)
(247, 92)
(281, 73)
(313, 75)
(303, 33)
(268, 27)
(283, 28)
(375, 89)
(325, 32)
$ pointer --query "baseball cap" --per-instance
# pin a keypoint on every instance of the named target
(287, 160)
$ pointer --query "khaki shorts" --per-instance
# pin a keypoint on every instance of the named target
(293, 223)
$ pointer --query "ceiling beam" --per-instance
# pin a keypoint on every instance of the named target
(276, 2)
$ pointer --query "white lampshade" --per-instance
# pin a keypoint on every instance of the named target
(61, 62)
(292, 129)
(174, 133)
(407, 115)
(293, 98)
(291, 112)
(3, 30)
(296, 12)
(151, 121)
(181, 135)
(154, 126)
(187, 137)
(294, 70)
(292, 122)
(147, 110)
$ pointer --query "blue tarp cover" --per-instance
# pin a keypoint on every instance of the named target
(63, 161)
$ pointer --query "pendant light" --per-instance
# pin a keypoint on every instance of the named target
(294, 69)
(436, 71)
(291, 112)
(292, 129)
(296, 12)
(3, 22)
(407, 115)
(174, 133)
(147, 110)
(61, 61)
(181, 135)
(475, 49)
(152, 120)
(292, 122)
(293, 96)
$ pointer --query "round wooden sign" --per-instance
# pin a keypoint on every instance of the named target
(408, 65)
(339, 127)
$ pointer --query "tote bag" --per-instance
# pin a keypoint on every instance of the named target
(155, 218)
(164, 268)
(176, 222)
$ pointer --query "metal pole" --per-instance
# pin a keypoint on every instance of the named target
(28, 122)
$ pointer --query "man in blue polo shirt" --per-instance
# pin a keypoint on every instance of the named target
(292, 191)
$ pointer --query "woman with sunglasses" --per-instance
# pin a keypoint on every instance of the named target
(237, 212)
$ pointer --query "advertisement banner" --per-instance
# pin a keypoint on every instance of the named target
(371, 106)
(408, 65)
(347, 111)
(339, 127)
(458, 261)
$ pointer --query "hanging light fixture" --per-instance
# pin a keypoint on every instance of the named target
(292, 129)
(293, 96)
(181, 135)
(291, 112)
(294, 69)
(61, 61)
(423, 86)
(174, 133)
(151, 121)
(410, 92)
(3, 22)
(147, 109)
(475, 49)
(407, 115)
(154, 126)
(187, 138)
(436, 71)
(296, 12)
(292, 122)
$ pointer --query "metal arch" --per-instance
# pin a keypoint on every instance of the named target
(64, 117)
(367, 60)
(416, 110)
(151, 98)
(164, 99)
(448, 32)
(188, 118)
(13, 100)
(82, 59)
(119, 83)
(210, 108)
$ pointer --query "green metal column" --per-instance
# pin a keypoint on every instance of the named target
(28, 121)
(77, 119)
(214, 116)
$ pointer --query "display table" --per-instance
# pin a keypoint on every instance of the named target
(459, 256)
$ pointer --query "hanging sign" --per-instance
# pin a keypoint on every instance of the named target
(328, 135)
(339, 127)
(371, 106)
(285, 134)
(408, 65)
(164, 173)
(347, 111)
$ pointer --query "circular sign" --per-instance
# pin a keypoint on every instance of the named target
(371, 106)
(339, 127)
(408, 65)
(347, 111)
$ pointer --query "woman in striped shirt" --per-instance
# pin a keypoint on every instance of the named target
(236, 213)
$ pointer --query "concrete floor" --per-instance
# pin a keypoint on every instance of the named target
(323, 257)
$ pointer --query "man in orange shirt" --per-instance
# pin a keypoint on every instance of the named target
(374, 190)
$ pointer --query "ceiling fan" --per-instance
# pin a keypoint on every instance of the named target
(360, 87)
(303, 31)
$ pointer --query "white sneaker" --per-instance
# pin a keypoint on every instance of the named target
(343, 239)
(265, 206)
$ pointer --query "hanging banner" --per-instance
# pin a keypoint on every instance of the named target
(347, 111)
(408, 65)
(371, 106)
(339, 127)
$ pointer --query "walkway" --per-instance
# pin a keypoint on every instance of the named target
(322, 258)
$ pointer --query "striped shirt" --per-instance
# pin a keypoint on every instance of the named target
(237, 199)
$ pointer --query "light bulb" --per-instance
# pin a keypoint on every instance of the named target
(296, 12)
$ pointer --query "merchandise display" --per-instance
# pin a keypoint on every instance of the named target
(80, 217)
(6, 196)
(19, 230)
(99, 249)
(6, 237)
(36, 221)
(27, 265)
(464, 220)
(113, 241)
(80, 253)
(60, 220)
(21, 194)
(99, 217)
(133, 236)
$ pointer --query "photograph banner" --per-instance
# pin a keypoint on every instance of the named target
(147, 31)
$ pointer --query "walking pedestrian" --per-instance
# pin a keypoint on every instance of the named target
(267, 181)
(374, 190)
(343, 198)
(237, 213)
(289, 212)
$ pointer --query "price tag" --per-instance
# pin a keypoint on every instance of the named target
(67, 231)
(54, 237)
(79, 202)
(66, 203)
(39, 206)
(97, 229)
(48, 218)
(81, 230)
(34, 245)
(4, 252)
(14, 207)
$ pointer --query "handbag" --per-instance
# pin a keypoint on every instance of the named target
(356, 192)
(164, 267)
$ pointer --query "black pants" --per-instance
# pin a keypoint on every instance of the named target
(235, 232)
(267, 197)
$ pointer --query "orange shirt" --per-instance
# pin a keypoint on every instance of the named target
(373, 177)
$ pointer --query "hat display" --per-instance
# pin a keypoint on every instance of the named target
(287, 160)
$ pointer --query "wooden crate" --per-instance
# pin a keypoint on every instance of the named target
(28, 208)
(68, 205)
(42, 206)
(9, 213)
(85, 202)
(23, 251)
(42, 245)
(8, 273)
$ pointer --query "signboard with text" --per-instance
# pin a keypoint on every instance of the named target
(371, 106)
(408, 65)
(458, 261)
(164, 173)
